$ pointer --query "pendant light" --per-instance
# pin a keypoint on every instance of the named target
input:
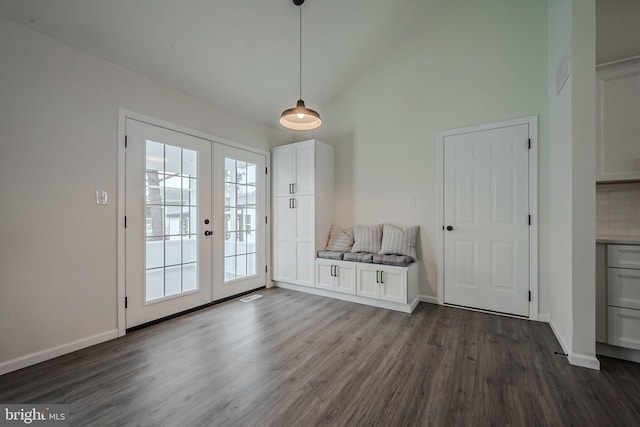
(300, 117)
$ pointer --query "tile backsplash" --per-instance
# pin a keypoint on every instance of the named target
(618, 208)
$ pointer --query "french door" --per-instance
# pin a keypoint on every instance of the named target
(168, 211)
(192, 232)
(486, 219)
(240, 216)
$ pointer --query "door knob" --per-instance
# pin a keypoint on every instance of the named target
(449, 228)
(208, 233)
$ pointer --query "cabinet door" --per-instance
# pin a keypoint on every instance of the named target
(624, 327)
(345, 280)
(282, 160)
(324, 279)
(304, 168)
(305, 255)
(283, 234)
(393, 285)
(623, 287)
(617, 124)
(367, 282)
(623, 256)
(601, 292)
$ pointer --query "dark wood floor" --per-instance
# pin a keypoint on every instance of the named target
(293, 359)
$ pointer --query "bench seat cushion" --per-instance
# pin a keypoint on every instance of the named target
(358, 257)
(330, 254)
(397, 260)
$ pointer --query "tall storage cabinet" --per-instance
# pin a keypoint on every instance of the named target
(302, 188)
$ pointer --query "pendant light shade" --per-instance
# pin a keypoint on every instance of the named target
(300, 117)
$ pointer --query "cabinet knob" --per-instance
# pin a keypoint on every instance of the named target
(449, 228)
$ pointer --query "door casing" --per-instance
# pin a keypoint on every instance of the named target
(532, 121)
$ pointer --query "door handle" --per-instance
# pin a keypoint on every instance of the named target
(381, 281)
(293, 186)
(208, 233)
(449, 228)
(290, 190)
(377, 279)
(293, 203)
(290, 207)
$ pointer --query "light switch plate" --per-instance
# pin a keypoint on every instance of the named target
(101, 197)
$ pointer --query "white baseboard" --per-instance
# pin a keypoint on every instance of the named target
(576, 359)
(405, 308)
(629, 354)
(50, 353)
(584, 361)
(429, 299)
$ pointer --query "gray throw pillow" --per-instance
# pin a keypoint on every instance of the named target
(367, 238)
(340, 240)
(399, 241)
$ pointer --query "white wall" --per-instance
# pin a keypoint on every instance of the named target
(569, 283)
(473, 62)
(58, 141)
(556, 236)
(583, 105)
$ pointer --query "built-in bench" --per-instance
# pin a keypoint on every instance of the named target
(387, 278)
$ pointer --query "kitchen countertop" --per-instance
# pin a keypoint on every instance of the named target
(618, 239)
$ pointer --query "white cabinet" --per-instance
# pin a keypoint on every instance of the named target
(618, 121)
(601, 292)
(623, 296)
(338, 276)
(302, 186)
(294, 169)
(382, 282)
(624, 327)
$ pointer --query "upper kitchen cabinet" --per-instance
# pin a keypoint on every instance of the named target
(618, 121)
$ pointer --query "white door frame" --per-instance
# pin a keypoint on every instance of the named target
(532, 121)
(120, 202)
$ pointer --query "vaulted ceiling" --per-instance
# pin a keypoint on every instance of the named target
(243, 55)
(239, 55)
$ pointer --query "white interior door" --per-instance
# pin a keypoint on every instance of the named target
(240, 221)
(168, 210)
(486, 219)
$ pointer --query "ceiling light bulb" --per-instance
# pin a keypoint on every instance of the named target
(300, 115)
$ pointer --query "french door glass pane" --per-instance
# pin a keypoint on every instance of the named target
(240, 219)
(171, 215)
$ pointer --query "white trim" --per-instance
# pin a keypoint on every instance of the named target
(120, 231)
(618, 352)
(632, 61)
(59, 350)
(576, 359)
(584, 361)
(429, 299)
(532, 122)
(124, 114)
(405, 308)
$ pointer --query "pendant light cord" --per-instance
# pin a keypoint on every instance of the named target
(300, 51)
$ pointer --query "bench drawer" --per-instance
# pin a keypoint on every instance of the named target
(624, 256)
(624, 327)
(623, 287)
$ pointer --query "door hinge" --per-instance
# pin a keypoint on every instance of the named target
(125, 141)
(529, 219)
(266, 268)
(266, 220)
(529, 295)
(529, 143)
(126, 302)
(266, 170)
(125, 221)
